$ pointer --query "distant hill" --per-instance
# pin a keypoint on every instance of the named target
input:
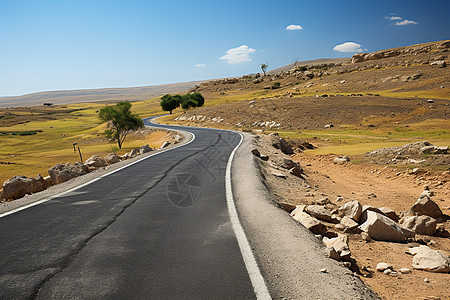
(96, 95)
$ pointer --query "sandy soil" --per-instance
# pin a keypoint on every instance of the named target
(371, 185)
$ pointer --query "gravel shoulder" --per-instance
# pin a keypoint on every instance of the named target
(290, 257)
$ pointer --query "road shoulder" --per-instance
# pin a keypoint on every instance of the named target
(289, 256)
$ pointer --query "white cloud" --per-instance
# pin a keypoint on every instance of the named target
(348, 47)
(294, 27)
(200, 65)
(394, 18)
(405, 22)
(238, 55)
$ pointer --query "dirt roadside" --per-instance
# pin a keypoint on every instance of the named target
(372, 185)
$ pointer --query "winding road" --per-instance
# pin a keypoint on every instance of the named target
(157, 229)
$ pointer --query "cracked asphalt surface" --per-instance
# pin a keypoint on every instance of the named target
(158, 229)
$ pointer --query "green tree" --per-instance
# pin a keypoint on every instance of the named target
(264, 68)
(120, 121)
(188, 102)
(197, 97)
(169, 102)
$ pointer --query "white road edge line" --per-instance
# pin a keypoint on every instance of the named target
(91, 181)
(257, 280)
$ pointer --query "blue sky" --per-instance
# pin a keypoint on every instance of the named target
(57, 45)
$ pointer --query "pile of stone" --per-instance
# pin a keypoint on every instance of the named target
(19, 186)
(380, 224)
(413, 148)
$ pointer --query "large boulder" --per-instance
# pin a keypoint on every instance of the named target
(352, 209)
(420, 224)
(429, 260)
(309, 222)
(63, 172)
(19, 186)
(95, 161)
(112, 158)
(382, 228)
(424, 206)
(321, 213)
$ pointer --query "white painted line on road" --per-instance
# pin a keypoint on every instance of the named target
(258, 283)
(91, 181)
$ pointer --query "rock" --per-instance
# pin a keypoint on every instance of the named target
(382, 266)
(165, 145)
(323, 270)
(433, 150)
(95, 161)
(429, 260)
(125, 156)
(287, 206)
(19, 186)
(309, 222)
(145, 149)
(328, 126)
(405, 270)
(63, 172)
(349, 223)
(425, 206)
(339, 244)
(281, 144)
(359, 57)
(112, 158)
(439, 63)
(289, 164)
(412, 77)
(322, 201)
(351, 209)
(341, 160)
(387, 271)
(390, 213)
(367, 208)
(135, 152)
(331, 253)
(365, 236)
(278, 174)
(298, 209)
(420, 224)
(382, 228)
(296, 171)
(321, 213)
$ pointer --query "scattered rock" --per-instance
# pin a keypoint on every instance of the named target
(287, 206)
(309, 222)
(95, 161)
(405, 270)
(281, 144)
(145, 149)
(19, 186)
(165, 145)
(425, 206)
(352, 209)
(382, 266)
(429, 260)
(135, 152)
(341, 160)
(439, 63)
(349, 223)
(112, 158)
(63, 172)
(420, 224)
(321, 213)
(331, 253)
(382, 228)
(390, 213)
(340, 245)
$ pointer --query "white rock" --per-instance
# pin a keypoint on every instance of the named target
(404, 270)
(352, 209)
(420, 224)
(382, 266)
(310, 223)
(430, 260)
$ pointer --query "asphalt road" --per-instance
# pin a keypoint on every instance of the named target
(158, 229)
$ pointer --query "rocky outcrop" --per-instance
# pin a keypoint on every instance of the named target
(63, 172)
(381, 228)
(420, 224)
(19, 186)
(429, 260)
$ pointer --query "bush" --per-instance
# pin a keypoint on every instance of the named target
(276, 85)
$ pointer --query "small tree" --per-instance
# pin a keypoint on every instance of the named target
(188, 102)
(197, 97)
(169, 103)
(264, 68)
(120, 121)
